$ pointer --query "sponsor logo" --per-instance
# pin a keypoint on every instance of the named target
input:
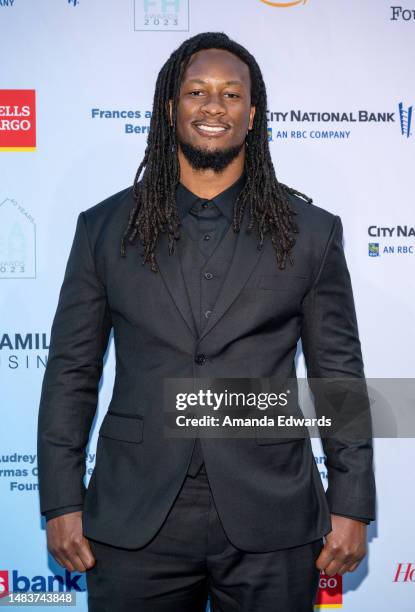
(287, 4)
(5, 3)
(4, 583)
(405, 572)
(330, 592)
(12, 581)
(19, 471)
(396, 233)
(305, 134)
(17, 120)
(17, 241)
(161, 15)
(341, 123)
(398, 13)
(138, 127)
(373, 249)
(405, 118)
(73, 2)
(25, 350)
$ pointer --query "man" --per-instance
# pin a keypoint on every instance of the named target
(166, 521)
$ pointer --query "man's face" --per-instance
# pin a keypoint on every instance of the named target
(214, 109)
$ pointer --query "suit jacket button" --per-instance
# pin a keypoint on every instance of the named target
(200, 359)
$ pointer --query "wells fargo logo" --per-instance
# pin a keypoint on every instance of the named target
(284, 4)
(330, 593)
(17, 120)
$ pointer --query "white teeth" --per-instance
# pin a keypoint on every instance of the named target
(211, 128)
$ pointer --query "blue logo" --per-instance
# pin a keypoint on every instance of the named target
(373, 249)
(405, 117)
(269, 130)
(73, 2)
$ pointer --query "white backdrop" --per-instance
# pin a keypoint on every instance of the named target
(349, 57)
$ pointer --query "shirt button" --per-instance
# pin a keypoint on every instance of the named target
(207, 237)
(207, 313)
(205, 205)
(208, 275)
(200, 359)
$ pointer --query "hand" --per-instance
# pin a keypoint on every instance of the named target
(345, 546)
(67, 544)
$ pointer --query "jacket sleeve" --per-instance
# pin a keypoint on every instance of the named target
(60, 511)
(332, 349)
(69, 394)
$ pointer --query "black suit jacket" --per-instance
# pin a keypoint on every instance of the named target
(268, 491)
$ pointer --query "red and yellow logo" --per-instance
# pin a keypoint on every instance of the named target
(330, 593)
(17, 120)
(284, 4)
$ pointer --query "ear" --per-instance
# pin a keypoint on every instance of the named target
(251, 117)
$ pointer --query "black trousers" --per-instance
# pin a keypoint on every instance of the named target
(190, 559)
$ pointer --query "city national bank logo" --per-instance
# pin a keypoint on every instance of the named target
(405, 118)
(161, 15)
(302, 124)
(13, 582)
(283, 4)
(17, 241)
(400, 240)
(330, 592)
(17, 120)
(373, 249)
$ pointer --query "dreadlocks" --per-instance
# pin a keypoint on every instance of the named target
(155, 208)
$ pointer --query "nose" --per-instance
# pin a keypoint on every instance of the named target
(213, 105)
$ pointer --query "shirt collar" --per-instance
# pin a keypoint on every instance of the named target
(224, 201)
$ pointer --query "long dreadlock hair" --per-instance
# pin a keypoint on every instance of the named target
(155, 209)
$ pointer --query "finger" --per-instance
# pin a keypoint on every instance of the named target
(79, 564)
(333, 567)
(353, 567)
(64, 561)
(86, 555)
(71, 559)
(325, 557)
(343, 569)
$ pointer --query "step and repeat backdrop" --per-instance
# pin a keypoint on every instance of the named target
(76, 88)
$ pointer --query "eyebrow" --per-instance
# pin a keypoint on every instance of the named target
(226, 83)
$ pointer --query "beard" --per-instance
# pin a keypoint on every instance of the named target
(216, 160)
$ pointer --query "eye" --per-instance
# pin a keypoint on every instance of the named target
(195, 93)
(232, 95)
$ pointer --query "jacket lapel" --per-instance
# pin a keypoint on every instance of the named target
(245, 258)
(171, 272)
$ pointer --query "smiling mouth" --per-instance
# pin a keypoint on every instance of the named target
(210, 130)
